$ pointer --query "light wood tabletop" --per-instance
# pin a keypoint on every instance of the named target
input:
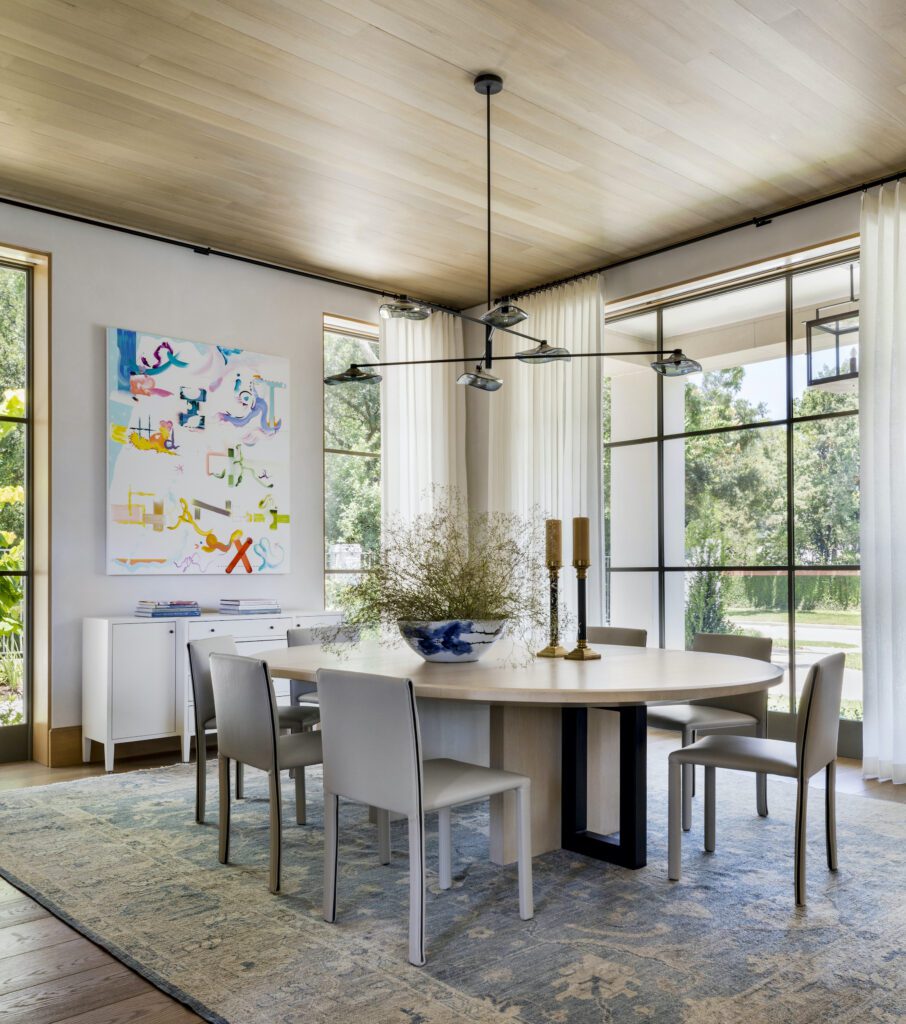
(623, 675)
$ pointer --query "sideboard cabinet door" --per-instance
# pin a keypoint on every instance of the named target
(143, 675)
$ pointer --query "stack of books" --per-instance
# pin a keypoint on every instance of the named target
(249, 606)
(166, 609)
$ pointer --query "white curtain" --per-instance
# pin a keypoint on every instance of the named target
(882, 423)
(544, 424)
(423, 417)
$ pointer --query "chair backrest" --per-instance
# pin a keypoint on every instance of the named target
(246, 710)
(200, 652)
(757, 647)
(372, 742)
(621, 636)
(818, 720)
(303, 636)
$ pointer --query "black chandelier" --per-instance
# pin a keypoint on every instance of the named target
(501, 317)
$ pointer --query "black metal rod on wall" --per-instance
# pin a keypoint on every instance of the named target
(661, 512)
(790, 503)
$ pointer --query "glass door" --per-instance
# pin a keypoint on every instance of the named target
(15, 331)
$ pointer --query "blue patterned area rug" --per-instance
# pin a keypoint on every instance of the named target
(121, 858)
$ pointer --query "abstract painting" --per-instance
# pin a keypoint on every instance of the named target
(197, 458)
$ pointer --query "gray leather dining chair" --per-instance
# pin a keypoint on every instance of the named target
(301, 692)
(248, 731)
(817, 727)
(621, 636)
(748, 711)
(373, 755)
(200, 651)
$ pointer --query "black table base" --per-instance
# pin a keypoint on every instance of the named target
(629, 847)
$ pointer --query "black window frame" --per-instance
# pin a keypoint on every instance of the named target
(15, 740)
(788, 422)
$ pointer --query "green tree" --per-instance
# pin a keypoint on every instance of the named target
(13, 327)
(13, 349)
(735, 482)
(352, 423)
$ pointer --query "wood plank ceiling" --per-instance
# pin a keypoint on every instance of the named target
(344, 135)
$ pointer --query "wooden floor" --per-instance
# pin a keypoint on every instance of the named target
(49, 974)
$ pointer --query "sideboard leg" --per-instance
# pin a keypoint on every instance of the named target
(108, 755)
(187, 746)
(86, 749)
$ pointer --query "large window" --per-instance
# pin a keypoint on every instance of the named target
(15, 562)
(732, 496)
(352, 457)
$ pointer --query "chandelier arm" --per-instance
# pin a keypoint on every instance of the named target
(481, 323)
(480, 359)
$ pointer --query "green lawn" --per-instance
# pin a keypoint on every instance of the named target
(817, 618)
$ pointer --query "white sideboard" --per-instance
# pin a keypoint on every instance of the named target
(135, 672)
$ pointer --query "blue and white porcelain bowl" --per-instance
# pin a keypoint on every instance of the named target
(452, 639)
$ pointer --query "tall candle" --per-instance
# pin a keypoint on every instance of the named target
(553, 533)
(581, 547)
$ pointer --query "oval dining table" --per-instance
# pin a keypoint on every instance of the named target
(576, 728)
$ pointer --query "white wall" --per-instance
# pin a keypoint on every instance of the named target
(824, 223)
(102, 278)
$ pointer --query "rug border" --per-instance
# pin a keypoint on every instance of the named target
(151, 976)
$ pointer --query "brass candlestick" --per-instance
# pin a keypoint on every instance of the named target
(553, 649)
(581, 562)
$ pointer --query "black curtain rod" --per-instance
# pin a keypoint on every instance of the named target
(756, 222)
(206, 250)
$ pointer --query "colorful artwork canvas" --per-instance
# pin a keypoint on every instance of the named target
(197, 458)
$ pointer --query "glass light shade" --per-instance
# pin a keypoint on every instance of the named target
(353, 376)
(504, 315)
(677, 364)
(544, 353)
(484, 380)
(404, 309)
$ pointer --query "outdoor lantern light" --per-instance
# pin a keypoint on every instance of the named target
(832, 351)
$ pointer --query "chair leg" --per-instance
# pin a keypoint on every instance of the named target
(383, 834)
(223, 771)
(761, 779)
(417, 891)
(444, 848)
(830, 814)
(524, 851)
(710, 800)
(674, 812)
(240, 780)
(331, 850)
(801, 818)
(692, 739)
(276, 830)
(201, 766)
(688, 784)
(300, 796)
(761, 794)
